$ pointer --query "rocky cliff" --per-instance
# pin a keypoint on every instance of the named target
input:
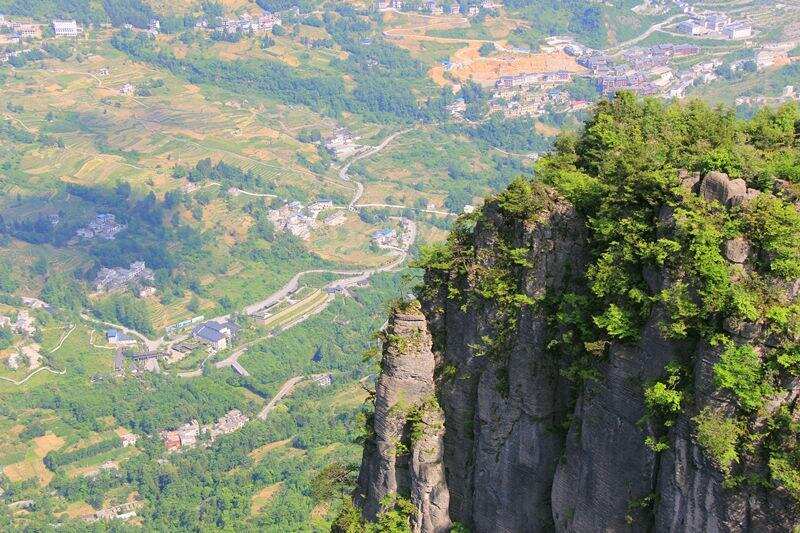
(611, 347)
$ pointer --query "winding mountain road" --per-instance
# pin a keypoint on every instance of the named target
(372, 151)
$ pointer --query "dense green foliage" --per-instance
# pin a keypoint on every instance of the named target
(622, 175)
(127, 310)
(390, 84)
(56, 460)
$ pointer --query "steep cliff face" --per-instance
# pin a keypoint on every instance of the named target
(404, 454)
(576, 399)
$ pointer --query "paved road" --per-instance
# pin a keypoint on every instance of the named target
(292, 285)
(372, 151)
(397, 206)
(152, 345)
(259, 194)
(284, 391)
(652, 29)
(233, 358)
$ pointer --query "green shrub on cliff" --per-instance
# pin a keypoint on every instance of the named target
(719, 436)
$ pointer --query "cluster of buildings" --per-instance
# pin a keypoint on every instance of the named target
(18, 30)
(297, 219)
(390, 238)
(188, 434)
(123, 512)
(342, 143)
(249, 24)
(103, 226)
(109, 279)
(538, 78)
(216, 334)
(645, 71)
(436, 8)
(385, 237)
(24, 324)
(714, 24)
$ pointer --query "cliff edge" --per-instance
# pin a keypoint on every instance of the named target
(613, 347)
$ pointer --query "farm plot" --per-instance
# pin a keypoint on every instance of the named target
(32, 467)
(310, 305)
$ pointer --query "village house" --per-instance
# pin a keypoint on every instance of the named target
(172, 441)
(118, 338)
(145, 361)
(25, 324)
(457, 108)
(119, 362)
(127, 89)
(26, 31)
(232, 421)
(104, 226)
(146, 292)
(320, 205)
(5, 322)
(66, 28)
(188, 433)
(179, 351)
(738, 30)
(692, 27)
(216, 334)
(109, 279)
(129, 439)
(385, 237)
(296, 219)
(765, 59)
(342, 143)
(12, 362)
(323, 380)
(122, 512)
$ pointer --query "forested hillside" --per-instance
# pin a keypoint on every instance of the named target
(611, 345)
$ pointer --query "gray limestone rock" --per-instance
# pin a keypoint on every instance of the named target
(737, 250)
(717, 186)
(516, 447)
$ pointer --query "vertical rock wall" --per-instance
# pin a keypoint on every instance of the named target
(514, 447)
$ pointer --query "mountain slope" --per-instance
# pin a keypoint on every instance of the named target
(614, 350)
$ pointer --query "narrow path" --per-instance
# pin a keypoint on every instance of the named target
(29, 376)
(259, 194)
(63, 338)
